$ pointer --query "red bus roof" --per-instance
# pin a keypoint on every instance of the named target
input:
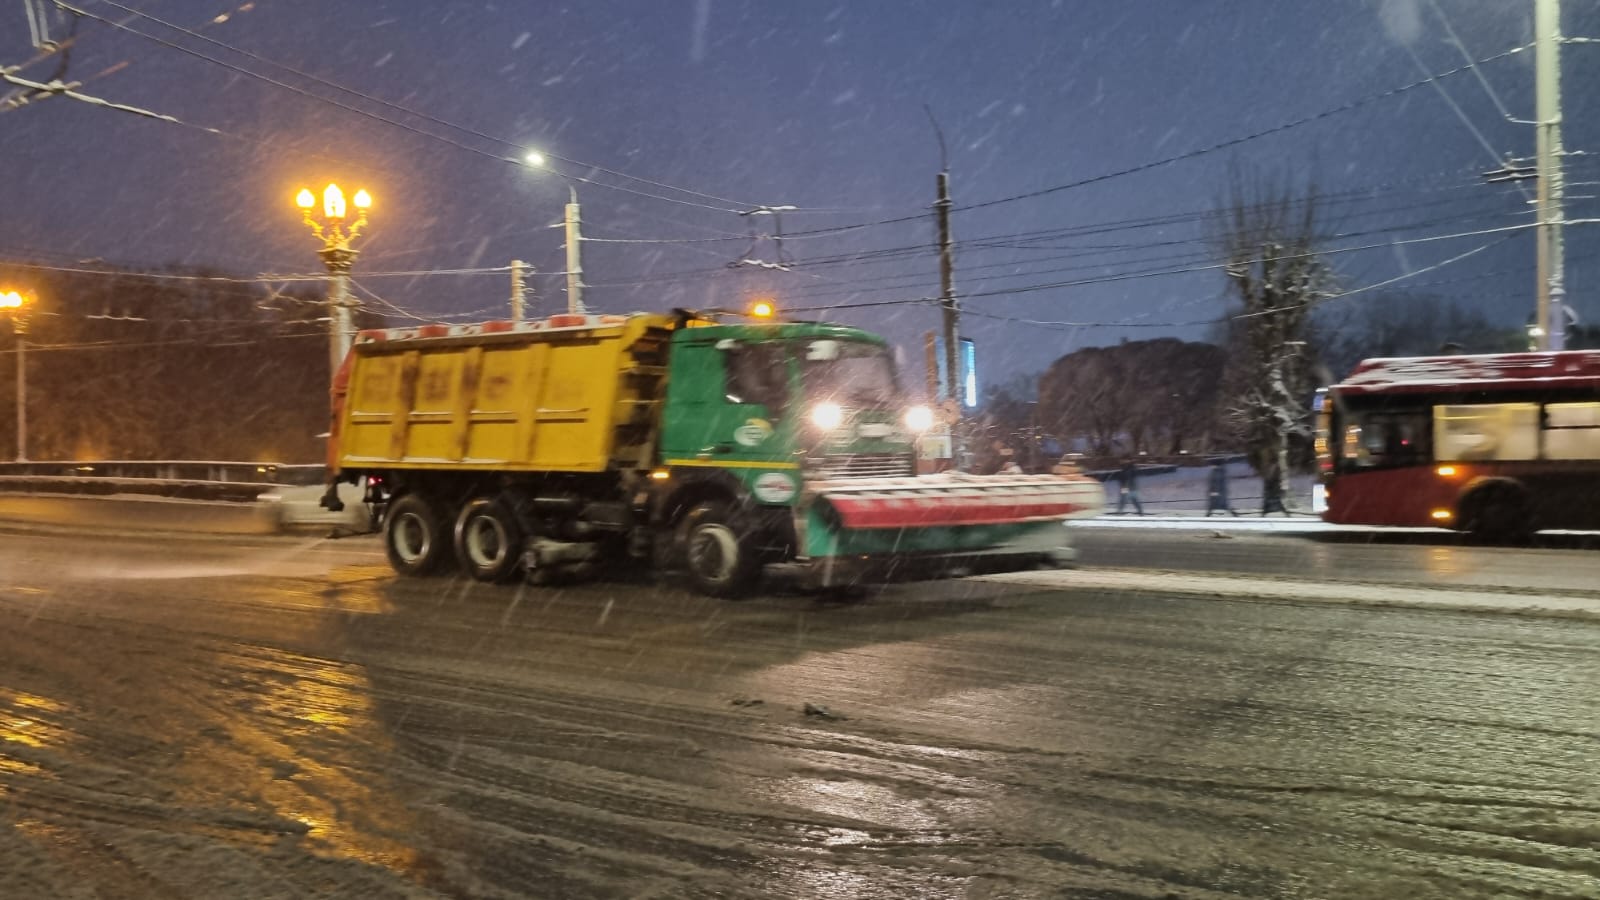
(1567, 369)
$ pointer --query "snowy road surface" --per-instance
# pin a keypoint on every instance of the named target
(223, 719)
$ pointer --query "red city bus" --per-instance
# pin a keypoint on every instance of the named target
(1498, 445)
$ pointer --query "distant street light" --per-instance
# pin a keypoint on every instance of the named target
(574, 238)
(336, 235)
(15, 304)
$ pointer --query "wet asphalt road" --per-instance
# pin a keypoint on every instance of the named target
(282, 718)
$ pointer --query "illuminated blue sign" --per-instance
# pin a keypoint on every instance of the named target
(967, 360)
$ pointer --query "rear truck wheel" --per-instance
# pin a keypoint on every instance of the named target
(1498, 513)
(414, 536)
(719, 551)
(488, 540)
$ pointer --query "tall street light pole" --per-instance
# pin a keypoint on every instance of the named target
(16, 303)
(338, 256)
(574, 223)
(1547, 85)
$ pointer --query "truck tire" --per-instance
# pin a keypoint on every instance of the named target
(719, 552)
(414, 536)
(488, 540)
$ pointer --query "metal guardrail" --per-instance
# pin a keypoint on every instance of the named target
(181, 479)
(170, 470)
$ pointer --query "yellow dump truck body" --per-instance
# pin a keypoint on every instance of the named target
(567, 394)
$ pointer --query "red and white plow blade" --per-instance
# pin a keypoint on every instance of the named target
(955, 499)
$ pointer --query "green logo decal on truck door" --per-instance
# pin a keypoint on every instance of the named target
(753, 433)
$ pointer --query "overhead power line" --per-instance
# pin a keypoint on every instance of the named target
(1241, 316)
(1180, 157)
(366, 113)
(1083, 264)
(257, 279)
(1185, 270)
(1234, 142)
(443, 123)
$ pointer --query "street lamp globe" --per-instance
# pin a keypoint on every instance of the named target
(333, 202)
(305, 199)
(535, 158)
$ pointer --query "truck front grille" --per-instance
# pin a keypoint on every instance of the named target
(864, 465)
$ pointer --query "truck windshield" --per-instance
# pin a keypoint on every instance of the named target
(853, 373)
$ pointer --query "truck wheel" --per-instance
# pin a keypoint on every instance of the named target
(718, 552)
(414, 536)
(488, 540)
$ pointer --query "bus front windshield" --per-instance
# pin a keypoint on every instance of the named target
(850, 373)
(1386, 439)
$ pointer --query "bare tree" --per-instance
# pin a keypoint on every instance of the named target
(1268, 237)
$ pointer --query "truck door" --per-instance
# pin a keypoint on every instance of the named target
(727, 401)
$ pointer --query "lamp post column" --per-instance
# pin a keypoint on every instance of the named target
(21, 326)
(341, 328)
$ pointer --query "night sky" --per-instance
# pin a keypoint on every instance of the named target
(719, 106)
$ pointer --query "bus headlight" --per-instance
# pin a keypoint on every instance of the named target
(919, 418)
(827, 415)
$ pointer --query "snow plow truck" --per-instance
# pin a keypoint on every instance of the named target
(556, 447)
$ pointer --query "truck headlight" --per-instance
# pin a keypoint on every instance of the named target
(827, 415)
(919, 418)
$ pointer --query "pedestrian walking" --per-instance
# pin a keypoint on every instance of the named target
(1217, 490)
(1272, 496)
(1129, 487)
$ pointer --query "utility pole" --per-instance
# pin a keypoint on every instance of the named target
(1552, 319)
(947, 293)
(574, 254)
(518, 289)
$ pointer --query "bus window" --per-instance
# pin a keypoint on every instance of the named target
(1487, 432)
(1572, 431)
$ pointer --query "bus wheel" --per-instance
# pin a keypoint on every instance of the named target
(488, 540)
(414, 536)
(718, 552)
(1499, 513)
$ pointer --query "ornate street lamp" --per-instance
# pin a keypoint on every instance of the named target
(15, 304)
(336, 233)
